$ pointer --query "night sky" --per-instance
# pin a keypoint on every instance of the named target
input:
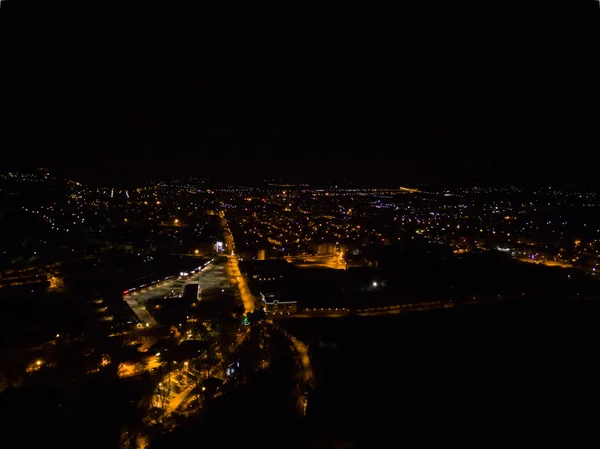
(509, 98)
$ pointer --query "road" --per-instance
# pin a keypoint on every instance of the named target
(305, 376)
(548, 263)
(371, 311)
(234, 268)
(308, 376)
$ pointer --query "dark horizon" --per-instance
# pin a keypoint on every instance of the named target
(128, 175)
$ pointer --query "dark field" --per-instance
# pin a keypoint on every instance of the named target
(519, 373)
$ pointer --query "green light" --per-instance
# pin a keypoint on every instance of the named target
(245, 321)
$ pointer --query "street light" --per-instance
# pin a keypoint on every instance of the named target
(374, 284)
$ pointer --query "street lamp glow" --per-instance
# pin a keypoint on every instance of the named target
(38, 362)
(374, 284)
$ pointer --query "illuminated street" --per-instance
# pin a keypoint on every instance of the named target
(548, 263)
(307, 371)
(234, 269)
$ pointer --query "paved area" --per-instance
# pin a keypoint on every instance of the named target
(213, 277)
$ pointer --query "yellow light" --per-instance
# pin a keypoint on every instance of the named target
(176, 221)
(196, 251)
(38, 362)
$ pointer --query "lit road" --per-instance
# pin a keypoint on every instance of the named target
(548, 263)
(307, 371)
(312, 314)
(234, 269)
(306, 377)
(371, 311)
(247, 298)
(302, 352)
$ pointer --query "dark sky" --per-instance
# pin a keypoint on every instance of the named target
(499, 93)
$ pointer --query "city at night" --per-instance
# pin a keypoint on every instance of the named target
(322, 255)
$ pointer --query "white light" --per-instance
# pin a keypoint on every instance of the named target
(374, 284)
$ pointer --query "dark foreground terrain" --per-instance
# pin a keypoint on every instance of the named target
(510, 373)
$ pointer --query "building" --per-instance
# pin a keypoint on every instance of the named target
(191, 292)
(275, 306)
(324, 249)
(261, 254)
